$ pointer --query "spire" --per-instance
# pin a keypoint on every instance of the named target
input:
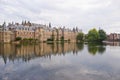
(4, 24)
(22, 23)
(50, 25)
(76, 28)
(25, 22)
(29, 23)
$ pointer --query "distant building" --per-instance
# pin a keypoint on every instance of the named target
(28, 30)
(114, 37)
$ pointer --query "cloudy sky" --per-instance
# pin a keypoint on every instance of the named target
(85, 14)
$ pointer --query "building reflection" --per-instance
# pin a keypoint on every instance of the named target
(113, 43)
(27, 52)
(12, 52)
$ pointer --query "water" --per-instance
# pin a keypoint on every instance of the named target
(67, 61)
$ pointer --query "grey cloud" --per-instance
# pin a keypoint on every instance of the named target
(84, 14)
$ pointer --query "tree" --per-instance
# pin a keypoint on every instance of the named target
(18, 38)
(102, 35)
(80, 36)
(93, 35)
(30, 39)
(62, 38)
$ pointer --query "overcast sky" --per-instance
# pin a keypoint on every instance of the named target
(85, 14)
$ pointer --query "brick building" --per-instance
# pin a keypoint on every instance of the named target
(114, 37)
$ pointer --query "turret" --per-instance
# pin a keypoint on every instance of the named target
(50, 25)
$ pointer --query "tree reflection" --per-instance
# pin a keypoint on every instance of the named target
(101, 49)
(80, 46)
(94, 48)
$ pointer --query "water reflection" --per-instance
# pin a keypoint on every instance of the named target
(47, 62)
(113, 43)
(27, 52)
(94, 48)
(80, 46)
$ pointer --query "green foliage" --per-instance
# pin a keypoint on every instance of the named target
(93, 35)
(96, 36)
(18, 38)
(25, 39)
(95, 48)
(62, 38)
(49, 39)
(102, 35)
(30, 39)
(80, 36)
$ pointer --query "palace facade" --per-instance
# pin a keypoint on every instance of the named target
(27, 30)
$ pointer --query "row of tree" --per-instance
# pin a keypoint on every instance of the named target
(92, 36)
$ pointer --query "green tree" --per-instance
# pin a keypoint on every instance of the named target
(30, 39)
(80, 36)
(93, 35)
(18, 38)
(102, 35)
(62, 38)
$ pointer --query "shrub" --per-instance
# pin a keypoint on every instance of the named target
(18, 38)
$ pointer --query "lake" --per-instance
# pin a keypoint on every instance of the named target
(68, 61)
